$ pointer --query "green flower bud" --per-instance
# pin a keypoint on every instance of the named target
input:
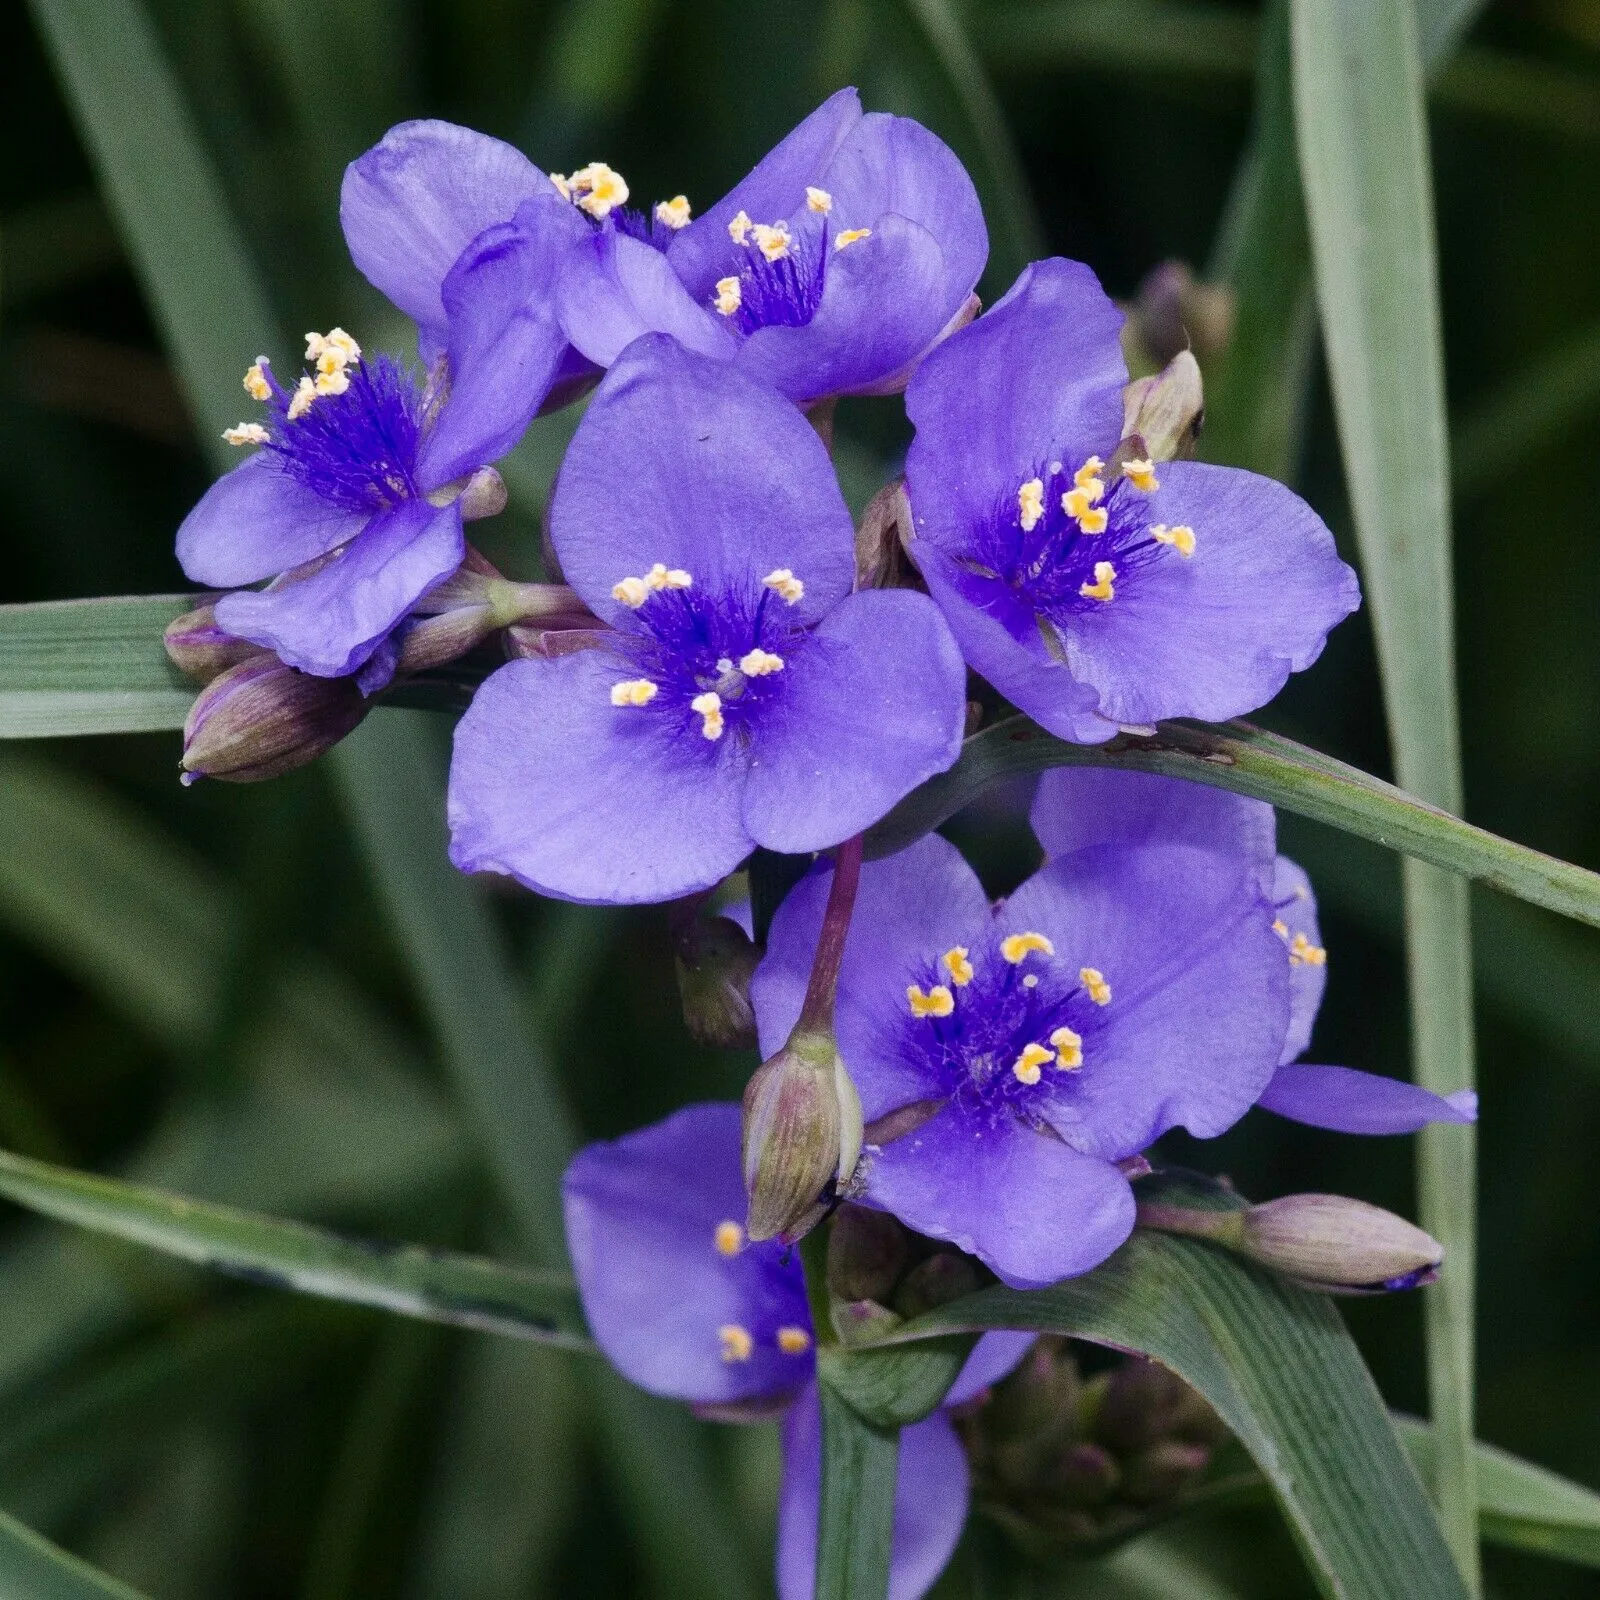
(715, 961)
(198, 647)
(1340, 1245)
(943, 1277)
(867, 1253)
(1162, 415)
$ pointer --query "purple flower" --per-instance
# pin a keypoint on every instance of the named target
(1079, 809)
(741, 696)
(352, 499)
(686, 1307)
(1096, 590)
(848, 253)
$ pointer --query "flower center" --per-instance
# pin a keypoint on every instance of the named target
(780, 271)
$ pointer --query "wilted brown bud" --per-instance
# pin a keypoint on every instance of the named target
(198, 647)
(882, 536)
(715, 961)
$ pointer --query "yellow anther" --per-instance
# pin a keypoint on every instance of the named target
(632, 592)
(1069, 1048)
(818, 200)
(246, 433)
(1094, 980)
(332, 350)
(661, 576)
(956, 964)
(728, 296)
(709, 708)
(758, 663)
(1101, 588)
(634, 692)
(785, 585)
(793, 1341)
(1180, 538)
(1026, 1067)
(1030, 504)
(673, 213)
(1142, 475)
(1302, 953)
(937, 1002)
(598, 188)
(737, 1345)
(1089, 473)
(563, 188)
(850, 236)
(728, 1238)
(300, 401)
(1077, 502)
(335, 382)
(739, 227)
(1094, 520)
(772, 240)
(1016, 947)
(255, 380)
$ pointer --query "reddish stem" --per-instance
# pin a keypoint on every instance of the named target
(816, 1015)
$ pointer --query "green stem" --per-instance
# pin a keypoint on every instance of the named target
(855, 1522)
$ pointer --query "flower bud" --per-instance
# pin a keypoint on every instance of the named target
(715, 961)
(1173, 311)
(943, 1277)
(198, 647)
(801, 1137)
(474, 603)
(1341, 1245)
(1162, 414)
(881, 538)
(260, 719)
(1158, 1473)
(482, 494)
(866, 1254)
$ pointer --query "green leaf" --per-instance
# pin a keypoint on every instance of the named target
(1363, 139)
(31, 1568)
(90, 666)
(435, 1285)
(1250, 761)
(855, 1523)
(892, 1389)
(1283, 1373)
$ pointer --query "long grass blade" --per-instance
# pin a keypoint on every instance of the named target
(31, 1568)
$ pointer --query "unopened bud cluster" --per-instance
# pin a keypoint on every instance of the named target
(881, 1274)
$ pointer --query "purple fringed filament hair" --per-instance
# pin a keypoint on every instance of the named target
(740, 695)
(687, 1307)
(1094, 588)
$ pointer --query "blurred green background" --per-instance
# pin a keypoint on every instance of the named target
(277, 996)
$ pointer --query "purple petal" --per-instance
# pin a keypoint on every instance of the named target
(777, 185)
(616, 289)
(1296, 908)
(587, 801)
(1199, 990)
(993, 1356)
(504, 347)
(331, 622)
(871, 705)
(922, 898)
(930, 1503)
(642, 1218)
(1032, 1208)
(258, 521)
(1348, 1101)
(1218, 634)
(418, 198)
(1038, 377)
(682, 460)
(883, 304)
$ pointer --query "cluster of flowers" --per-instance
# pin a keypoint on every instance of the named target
(725, 665)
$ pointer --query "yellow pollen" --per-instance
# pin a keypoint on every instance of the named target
(1094, 520)
(598, 188)
(818, 200)
(632, 592)
(739, 227)
(728, 1238)
(850, 236)
(1142, 475)
(1017, 947)
(660, 576)
(957, 965)
(737, 1345)
(335, 382)
(1026, 1067)
(1069, 1048)
(785, 585)
(1280, 927)
(1302, 953)
(1089, 473)
(772, 241)
(673, 213)
(563, 188)
(1180, 538)
(255, 380)
(793, 1341)
(300, 402)
(728, 296)
(937, 1002)
(246, 433)
(758, 663)
(1076, 502)
(634, 692)
(1030, 504)
(336, 346)
(1101, 588)
(709, 708)
(1094, 980)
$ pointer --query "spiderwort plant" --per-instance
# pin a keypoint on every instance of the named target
(738, 694)
(686, 1306)
(1092, 586)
